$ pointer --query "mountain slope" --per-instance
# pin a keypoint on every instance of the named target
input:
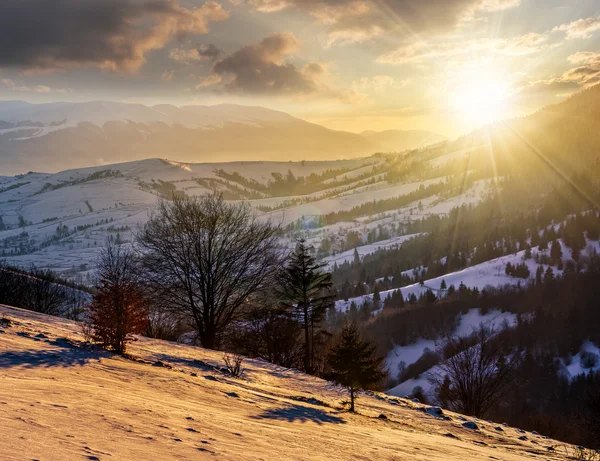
(401, 140)
(558, 140)
(55, 136)
(63, 400)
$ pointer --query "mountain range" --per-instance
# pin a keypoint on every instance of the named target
(55, 136)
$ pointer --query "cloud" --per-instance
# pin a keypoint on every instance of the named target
(377, 84)
(17, 86)
(419, 52)
(116, 35)
(359, 20)
(263, 70)
(167, 75)
(209, 80)
(203, 52)
(554, 87)
(582, 28)
(586, 74)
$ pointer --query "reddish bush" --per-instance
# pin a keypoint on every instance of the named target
(118, 309)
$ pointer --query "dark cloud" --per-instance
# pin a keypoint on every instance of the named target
(262, 69)
(209, 51)
(355, 20)
(110, 34)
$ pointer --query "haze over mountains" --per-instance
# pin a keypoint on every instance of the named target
(55, 136)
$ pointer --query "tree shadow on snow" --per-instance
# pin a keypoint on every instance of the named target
(65, 356)
(299, 413)
(181, 361)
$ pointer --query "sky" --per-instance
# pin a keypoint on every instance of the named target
(447, 66)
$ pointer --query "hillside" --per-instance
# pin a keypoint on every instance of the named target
(420, 244)
(400, 140)
(170, 402)
(54, 136)
(557, 140)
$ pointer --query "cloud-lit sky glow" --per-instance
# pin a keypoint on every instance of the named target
(442, 65)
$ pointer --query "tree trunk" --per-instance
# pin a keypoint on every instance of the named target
(208, 339)
(307, 367)
(352, 399)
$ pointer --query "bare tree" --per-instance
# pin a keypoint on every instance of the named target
(476, 372)
(118, 309)
(38, 290)
(206, 257)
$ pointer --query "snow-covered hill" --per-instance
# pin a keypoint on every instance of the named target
(60, 221)
(61, 399)
(55, 136)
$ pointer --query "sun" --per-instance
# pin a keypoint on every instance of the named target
(481, 101)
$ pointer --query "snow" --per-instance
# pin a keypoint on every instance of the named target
(348, 256)
(494, 319)
(575, 367)
(467, 323)
(347, 202)
(408, 354)
(405, 388)
(487, 274)
(61, 400)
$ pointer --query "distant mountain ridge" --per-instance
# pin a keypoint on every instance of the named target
(54, 136)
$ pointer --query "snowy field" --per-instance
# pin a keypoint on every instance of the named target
(487, 274)
(347, 201)
(61, 400)
(60, 221)
(363, 250)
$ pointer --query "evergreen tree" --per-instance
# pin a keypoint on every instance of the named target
(2, 225)
(353, 363)
(429, 296)
(376, 295)
(555, 251)
(356, 258)
(549, 275)
(539, 273)
(305, 288)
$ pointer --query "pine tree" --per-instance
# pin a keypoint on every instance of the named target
(549, 275)
(356, 258)
(555, 251)
(353, 363)
(376, 295)
(539, 273)
(305, 288)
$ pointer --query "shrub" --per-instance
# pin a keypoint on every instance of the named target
(233, 364)
(118, 309)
